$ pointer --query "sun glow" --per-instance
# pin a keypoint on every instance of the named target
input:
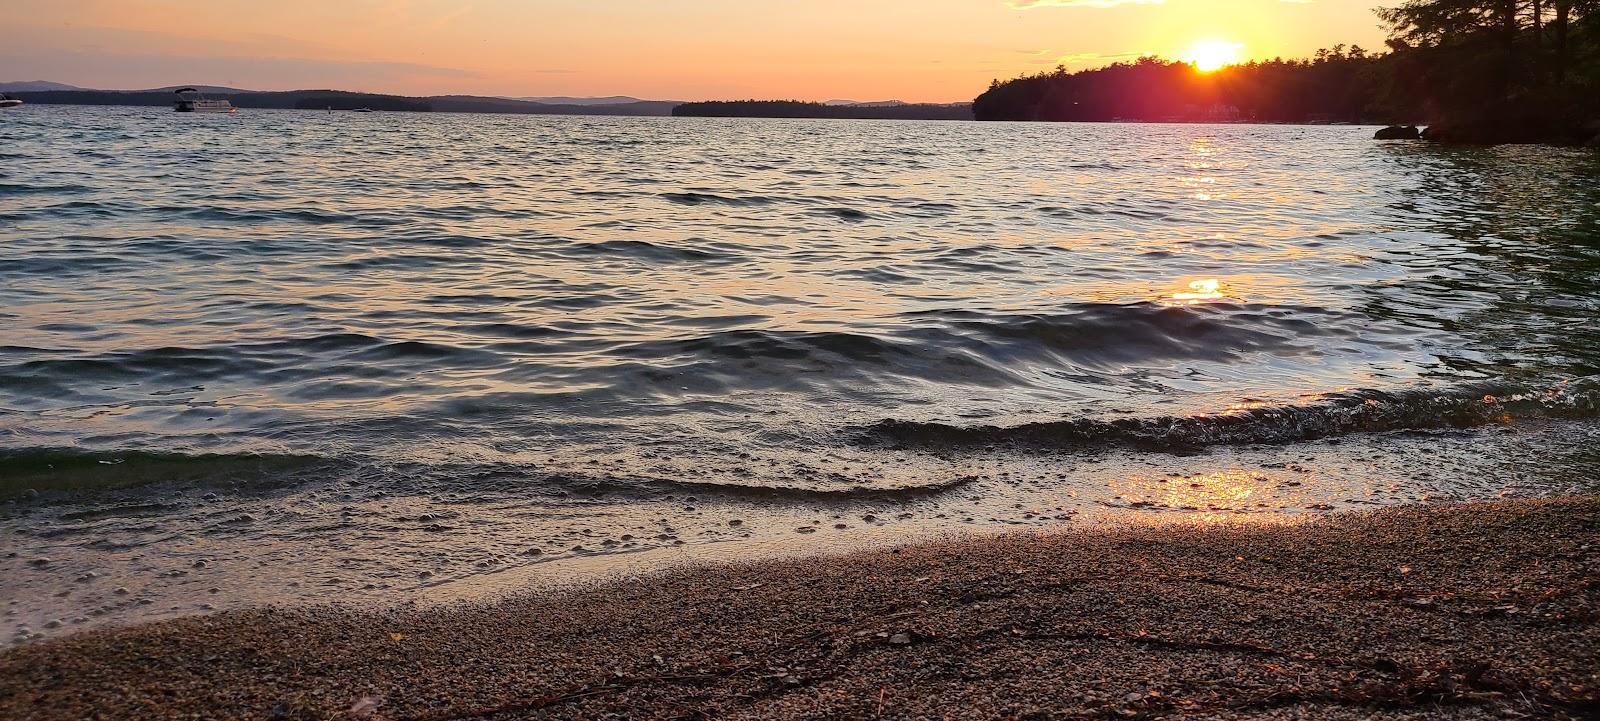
(1212, 55)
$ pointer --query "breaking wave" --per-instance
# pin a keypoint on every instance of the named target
(1367, 411)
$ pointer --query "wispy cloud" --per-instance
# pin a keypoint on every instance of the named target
(1036, 4)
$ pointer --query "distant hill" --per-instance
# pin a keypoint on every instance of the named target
(338, 100)
(480, 104)
(42, 92)
(22, 86)
(207, 89)
(607, 100)
(798, 109)
(294, 99)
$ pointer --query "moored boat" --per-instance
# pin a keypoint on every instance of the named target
(191, 101)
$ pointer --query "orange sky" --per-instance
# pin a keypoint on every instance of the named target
(930, 50)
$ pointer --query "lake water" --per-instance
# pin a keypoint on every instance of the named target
(289, 356)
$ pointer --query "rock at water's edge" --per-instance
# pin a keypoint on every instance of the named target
(1398, 132)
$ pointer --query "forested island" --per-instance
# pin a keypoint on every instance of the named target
(1478, 71)
(800, 109)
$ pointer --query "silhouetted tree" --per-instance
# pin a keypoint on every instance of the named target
(1503, 70)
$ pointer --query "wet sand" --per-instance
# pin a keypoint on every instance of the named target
(1454, 612)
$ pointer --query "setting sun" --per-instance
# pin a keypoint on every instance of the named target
(1212, 55)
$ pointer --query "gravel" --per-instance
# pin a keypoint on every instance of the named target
(1436, 612)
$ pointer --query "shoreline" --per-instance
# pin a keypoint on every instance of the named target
(1461, 611)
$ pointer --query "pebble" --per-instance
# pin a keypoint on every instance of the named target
(900, 639)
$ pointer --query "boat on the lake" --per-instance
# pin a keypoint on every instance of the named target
(191, 101)
(6, 101)
(361, 110)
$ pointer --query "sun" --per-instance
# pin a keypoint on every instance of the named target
(1212, 55)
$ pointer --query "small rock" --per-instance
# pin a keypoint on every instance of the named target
(900, 639)
(1398, 132)
(121, 591)
(40, 561)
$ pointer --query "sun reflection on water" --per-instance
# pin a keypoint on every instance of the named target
(1201, 290)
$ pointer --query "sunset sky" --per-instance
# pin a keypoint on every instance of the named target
(927, 50)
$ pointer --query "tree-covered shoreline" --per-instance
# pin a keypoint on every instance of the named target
(802, 109)
(1336, 86)
(1474, 71)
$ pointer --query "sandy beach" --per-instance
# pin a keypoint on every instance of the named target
(1470, 611)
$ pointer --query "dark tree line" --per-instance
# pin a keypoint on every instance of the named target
(799, 109)
(1478, 70)
(1336, 86)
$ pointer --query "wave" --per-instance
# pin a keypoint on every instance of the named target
(695, 198)
(647, 251)
(1367, 411)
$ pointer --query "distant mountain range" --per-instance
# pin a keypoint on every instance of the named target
(44, 92)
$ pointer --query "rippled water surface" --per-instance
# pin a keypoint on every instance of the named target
(518, 316)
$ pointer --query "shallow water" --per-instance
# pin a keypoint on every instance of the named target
(376, 355)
